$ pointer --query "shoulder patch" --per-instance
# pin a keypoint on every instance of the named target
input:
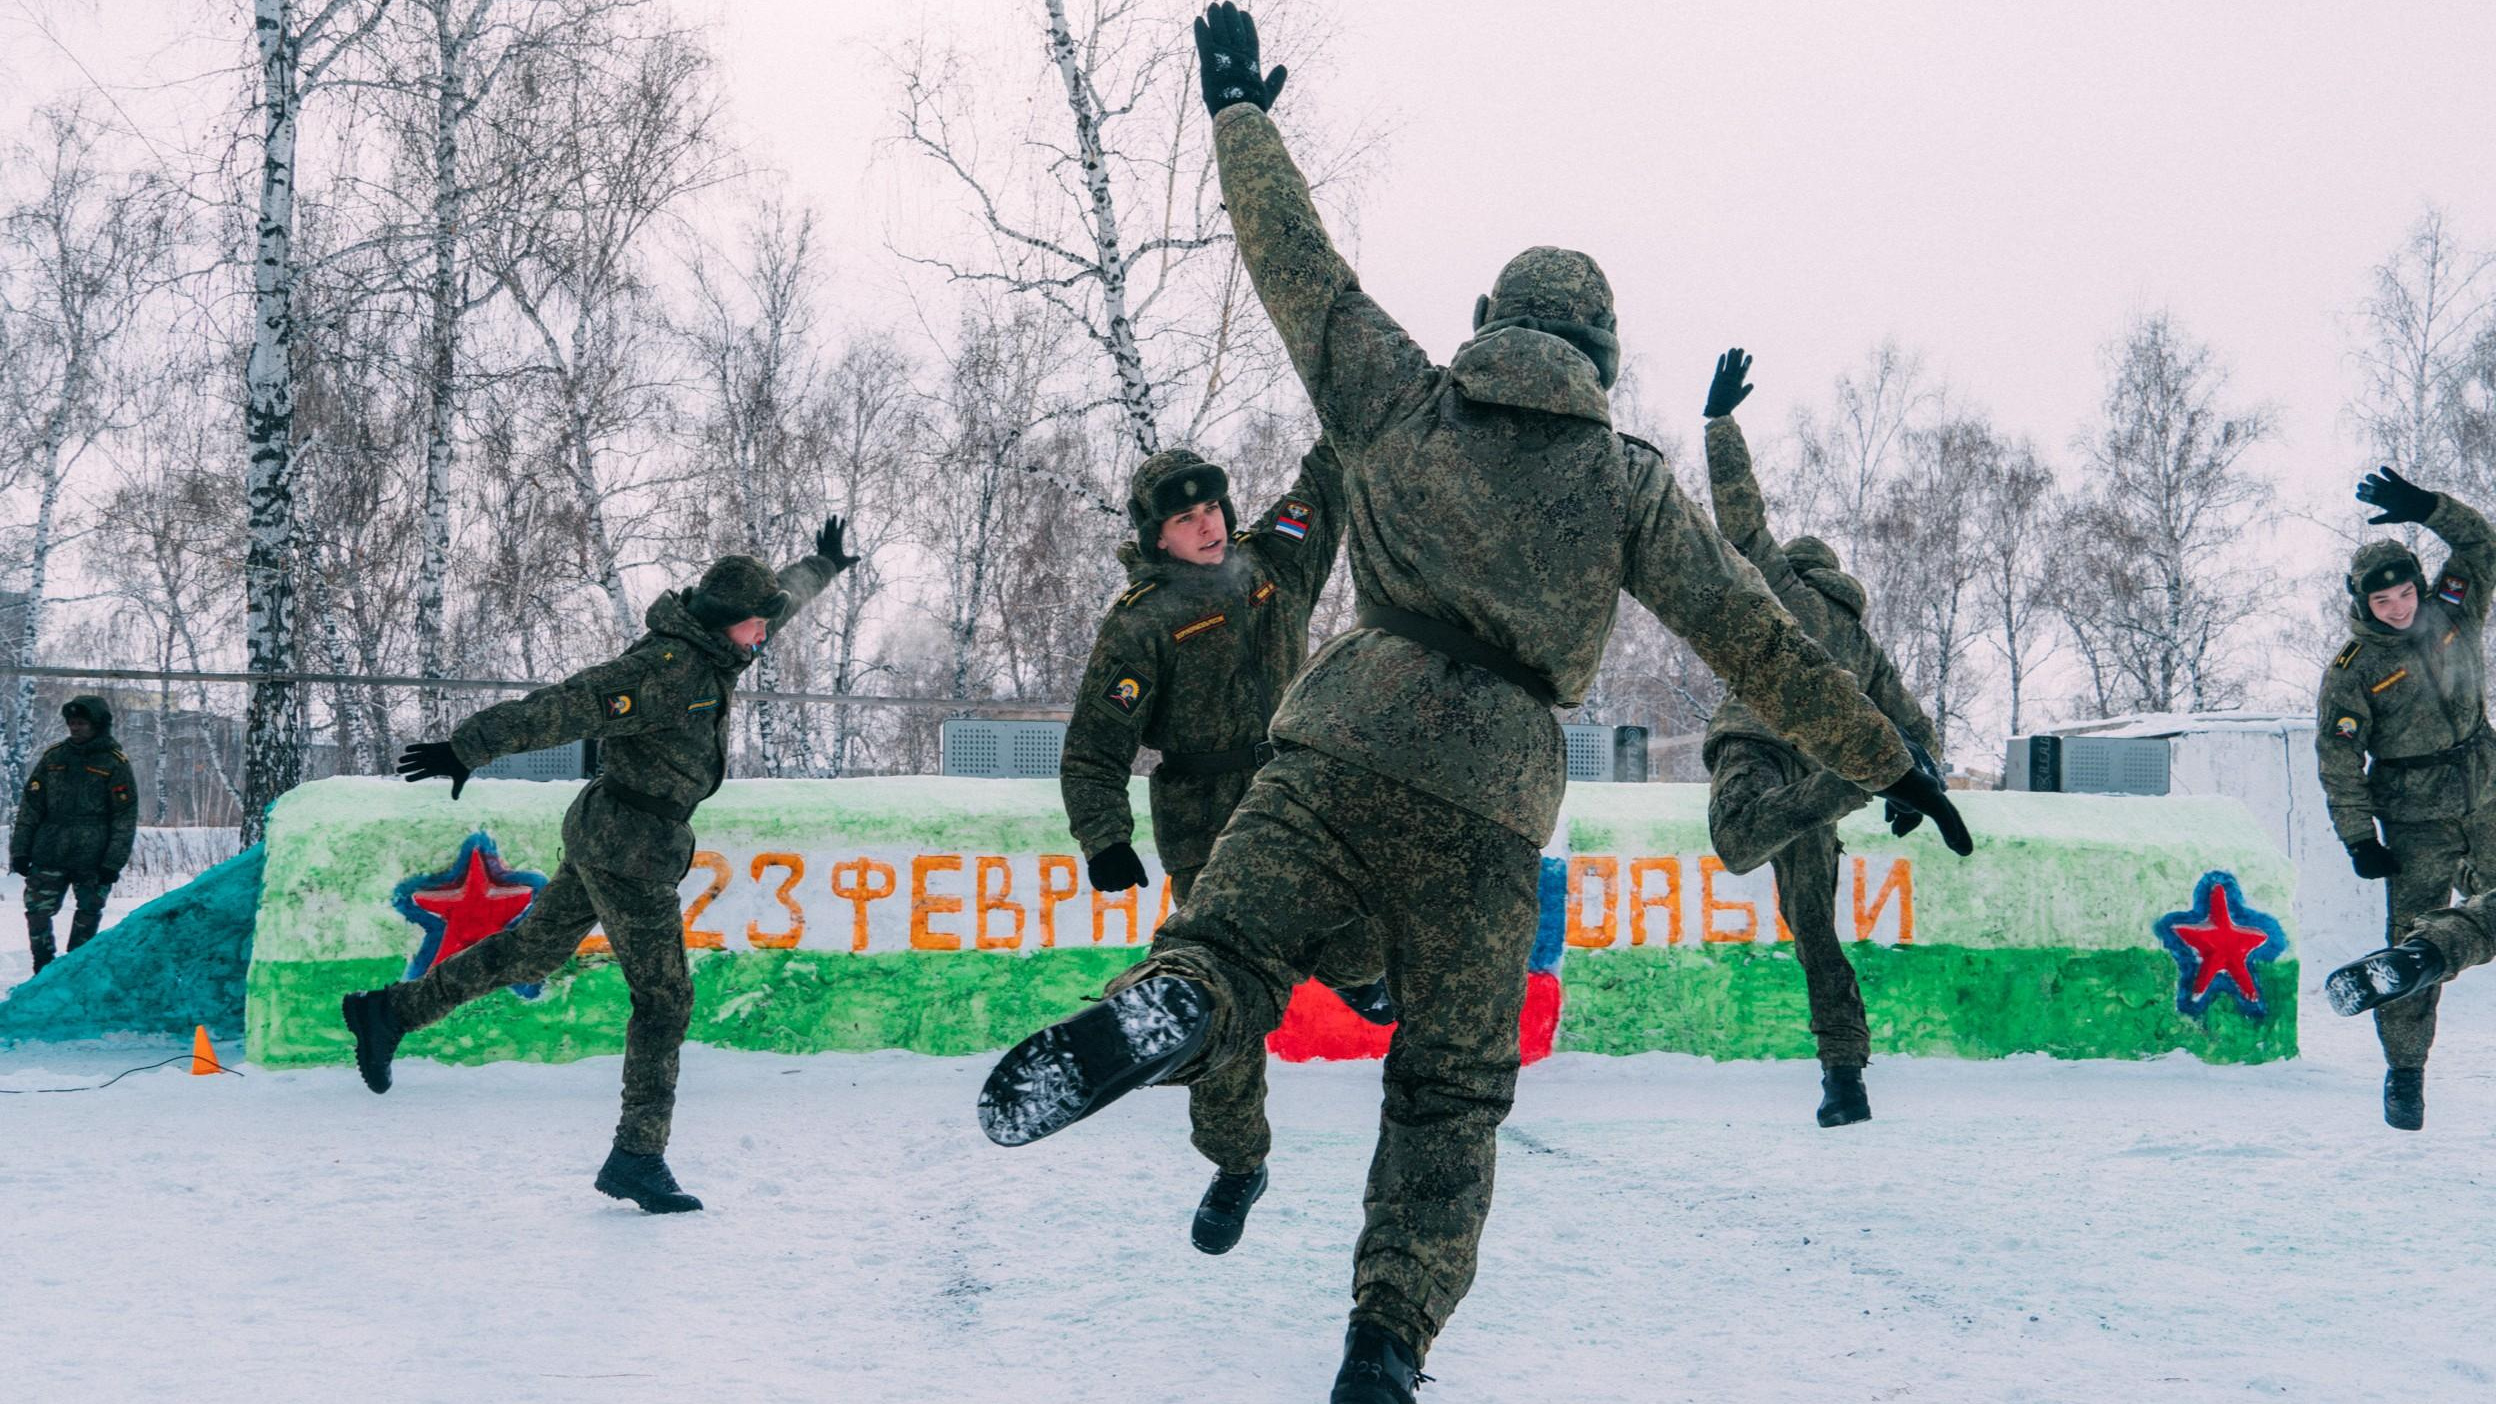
(1138, 593)
(1127, 690)
(1292, 519)
(2453, 590)
(620, 704)
(2345, 728)
(2349, 655)
(1207, 624)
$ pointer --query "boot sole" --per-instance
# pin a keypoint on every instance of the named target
(1072, 1069)
(647, 1206)
(1828, 1120)
(2364, 984)
(374, 1070)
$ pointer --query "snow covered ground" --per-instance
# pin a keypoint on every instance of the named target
(1666, 1229)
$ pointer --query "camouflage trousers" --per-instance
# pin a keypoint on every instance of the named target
(640, 916)
(2437, 859)
(2466, 934)
(44, 894)
(1452, 898)
(1766, 803)
(1226, 1109)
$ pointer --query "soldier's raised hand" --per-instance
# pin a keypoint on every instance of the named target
(1727, 389)
(828, 545)
(432, 760)
(1226, 54)
(2395, 498)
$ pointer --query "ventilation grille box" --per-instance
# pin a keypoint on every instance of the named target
(1003, 750)
(1606, 752)
(569, 761)
(2091, 765)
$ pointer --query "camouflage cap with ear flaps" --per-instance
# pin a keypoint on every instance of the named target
(2382, 565)
(1171, 482)
(1560, 292)
(735, 589)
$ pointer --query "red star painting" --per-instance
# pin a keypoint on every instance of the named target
(468, 900)
(2223, 936)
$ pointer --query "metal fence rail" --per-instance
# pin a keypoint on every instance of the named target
(838, 699)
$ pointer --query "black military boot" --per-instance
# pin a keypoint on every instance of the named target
(1377, 1368)
(1370, 1001)
(644, 1179)
(2405, 1099)
(1223, 1212)
(377, 1034)
(1843, 1102)
(2384, 976)
(1079, 1065)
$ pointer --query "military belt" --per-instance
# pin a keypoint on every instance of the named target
(2451, 755)
(1195, 763)
(1441, 637)
(649, 804)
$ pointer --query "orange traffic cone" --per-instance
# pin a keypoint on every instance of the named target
(203, 1054)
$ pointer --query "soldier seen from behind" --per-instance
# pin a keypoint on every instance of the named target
(76, 820)
(660, 714)
(1191, 661)
(1494, 518)
(1767, 801)
(2404, 747)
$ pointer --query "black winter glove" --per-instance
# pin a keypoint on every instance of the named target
(108, 878)
(1919, 790)
(2372, 860)
(828, 545)
(1115, 868)
(431, 760)
(1903, 820)
(1226, 53)
(19, 867)
(1727, 389)
(2397, 498)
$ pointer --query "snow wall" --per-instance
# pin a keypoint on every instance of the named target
(176, 963)
(951, 916)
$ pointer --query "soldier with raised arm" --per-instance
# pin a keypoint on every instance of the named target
(2402, 741)
(1767, 801)
(1191, 661)
(1494, 519)
(660, 714)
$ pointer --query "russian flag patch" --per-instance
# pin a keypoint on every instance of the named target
(2453, 590)
(1297, 531)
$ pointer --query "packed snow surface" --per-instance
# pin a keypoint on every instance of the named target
(1667, 1228)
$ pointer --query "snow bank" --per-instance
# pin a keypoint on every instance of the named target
(951, 916)
(175, 963)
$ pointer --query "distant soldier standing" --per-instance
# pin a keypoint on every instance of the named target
(76, 820)
(1767, 801)
(1191, 662)
(1494, 518)
(2409, 694)
(660, 712)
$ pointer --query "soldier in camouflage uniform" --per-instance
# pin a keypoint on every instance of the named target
(660, 713)
(2409, 694)
(1191, 661)
(76, 821)
(1767, 801)
(1494, 519)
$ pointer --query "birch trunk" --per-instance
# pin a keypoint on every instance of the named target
(1135, 391)
(442, 346)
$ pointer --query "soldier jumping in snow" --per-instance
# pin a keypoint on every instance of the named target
(1191, 661)
(75, 824)
(1767, 801)
(660, 712)
(2410, 693)
(1494, 518)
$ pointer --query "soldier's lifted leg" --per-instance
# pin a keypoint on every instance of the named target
(1496, 517)
(661, 712)
(2403, 746)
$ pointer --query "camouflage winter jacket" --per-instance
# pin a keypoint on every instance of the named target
(1493, 495)
(79, 812)
(1826, 601)
(2403, 694)
(1192, 660)
(659, 712)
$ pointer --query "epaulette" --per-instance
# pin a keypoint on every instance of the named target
(1138, 593)
(119, 755)
(2349, 655)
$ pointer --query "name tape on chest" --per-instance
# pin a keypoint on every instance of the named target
(2397, 675)
(1202, 626)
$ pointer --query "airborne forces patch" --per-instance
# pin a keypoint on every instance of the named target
(1126, 691)
(619, 704)
(2346, 728)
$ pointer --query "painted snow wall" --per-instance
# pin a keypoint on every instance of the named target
(951, 916)
(2084, 926)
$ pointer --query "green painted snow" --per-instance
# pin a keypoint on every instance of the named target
(1747, 1001)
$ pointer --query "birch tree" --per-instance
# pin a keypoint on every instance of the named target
(2429, 303)
(80, 255)
(872, 420)
(1849, 451)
